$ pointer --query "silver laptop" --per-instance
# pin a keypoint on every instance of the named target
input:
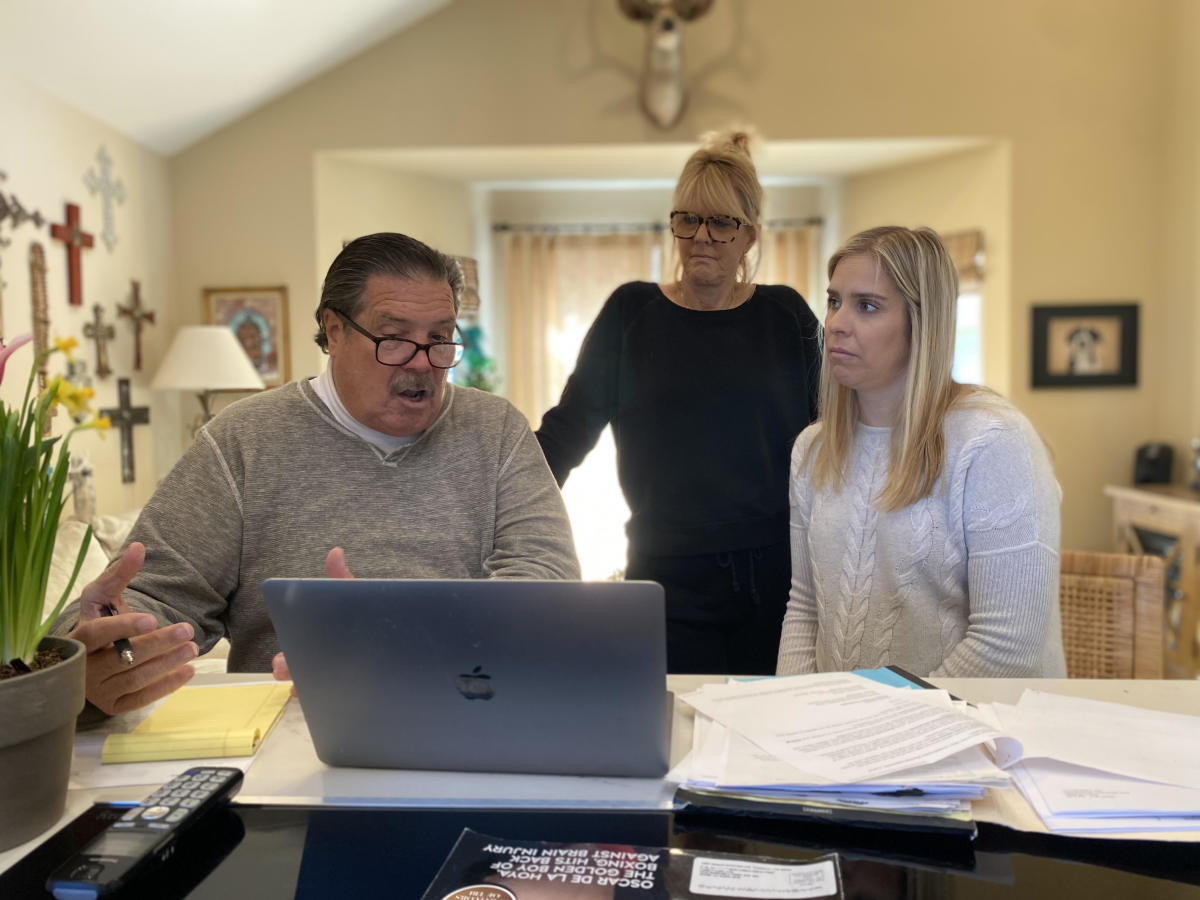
(547, 677)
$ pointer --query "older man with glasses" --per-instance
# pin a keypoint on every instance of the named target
(378, 458)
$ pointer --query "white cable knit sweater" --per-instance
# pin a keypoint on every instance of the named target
(962, 583)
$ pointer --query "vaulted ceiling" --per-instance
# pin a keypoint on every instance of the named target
(169, 72)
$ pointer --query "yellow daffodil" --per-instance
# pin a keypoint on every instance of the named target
(66, 346)
(99, 424)
(76, 399)
(50, 392)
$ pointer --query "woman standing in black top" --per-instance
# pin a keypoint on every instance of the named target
(706, 381)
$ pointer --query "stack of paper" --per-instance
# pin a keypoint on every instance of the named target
(840, 739)
(843, 740)
(1087, 766)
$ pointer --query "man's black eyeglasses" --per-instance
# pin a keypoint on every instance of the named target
(394, 351)
(721, 229)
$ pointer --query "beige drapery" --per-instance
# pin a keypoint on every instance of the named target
(556, 284)
(787, 256)
(966, 250)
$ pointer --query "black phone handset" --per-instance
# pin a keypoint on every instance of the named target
(144, 835)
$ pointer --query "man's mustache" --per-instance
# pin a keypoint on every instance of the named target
(411, 381)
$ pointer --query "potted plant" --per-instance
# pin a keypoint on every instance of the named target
(41, 678)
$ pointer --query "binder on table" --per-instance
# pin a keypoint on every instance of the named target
(695, 800)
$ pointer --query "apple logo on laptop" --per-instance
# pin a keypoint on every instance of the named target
(475, 685)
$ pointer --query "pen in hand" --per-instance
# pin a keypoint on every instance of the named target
(122, 645)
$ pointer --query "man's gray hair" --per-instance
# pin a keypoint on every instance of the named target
(385, 253)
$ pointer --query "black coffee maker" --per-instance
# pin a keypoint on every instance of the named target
(1152, 464)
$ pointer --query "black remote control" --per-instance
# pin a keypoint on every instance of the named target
(144, 835)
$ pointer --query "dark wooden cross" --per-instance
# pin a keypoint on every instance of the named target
(97, 331)
(76, 239)
(124, 417)
(140, 317)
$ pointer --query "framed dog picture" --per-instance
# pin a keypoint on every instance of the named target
(258, 318)
(1092, 345)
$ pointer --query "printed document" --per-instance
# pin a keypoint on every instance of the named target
(840, 728)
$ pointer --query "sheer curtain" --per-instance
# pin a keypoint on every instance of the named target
(557, 280)
(787, 256)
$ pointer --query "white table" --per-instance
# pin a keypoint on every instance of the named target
(287, 771)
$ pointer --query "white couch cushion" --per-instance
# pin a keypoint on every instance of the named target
(108, 537)
(66, 549)
(112, 531)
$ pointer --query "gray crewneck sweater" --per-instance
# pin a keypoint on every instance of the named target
(961, 583)
(274, 482)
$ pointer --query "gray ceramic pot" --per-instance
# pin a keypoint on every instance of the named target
(38, 714)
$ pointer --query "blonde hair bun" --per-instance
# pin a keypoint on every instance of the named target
(741, 138)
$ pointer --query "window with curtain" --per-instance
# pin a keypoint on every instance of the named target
(787, 252)
(557, 280)
(966, 250)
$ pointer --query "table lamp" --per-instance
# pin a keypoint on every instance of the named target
(206, 359)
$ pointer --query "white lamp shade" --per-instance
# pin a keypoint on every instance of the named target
(206, 358)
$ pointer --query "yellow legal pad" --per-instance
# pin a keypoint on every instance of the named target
(202, 722)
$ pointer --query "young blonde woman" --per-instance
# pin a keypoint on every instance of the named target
(924, 513)
(706, 381)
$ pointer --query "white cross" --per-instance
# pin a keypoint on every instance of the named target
(110, 191)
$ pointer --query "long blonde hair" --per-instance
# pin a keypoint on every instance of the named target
(721, 176)
(922, 271)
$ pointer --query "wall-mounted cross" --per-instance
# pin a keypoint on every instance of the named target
(12, 211)
(76, 239)
(124, 417)
(140, 317)
(97, 331)
(111, 193)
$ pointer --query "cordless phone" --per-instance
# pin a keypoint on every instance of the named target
(144, 835)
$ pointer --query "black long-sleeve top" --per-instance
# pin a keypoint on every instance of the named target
(704, 406)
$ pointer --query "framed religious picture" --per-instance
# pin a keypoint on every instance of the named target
(1092, 345)
(258, 317)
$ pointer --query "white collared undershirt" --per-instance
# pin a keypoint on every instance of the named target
(327, 391)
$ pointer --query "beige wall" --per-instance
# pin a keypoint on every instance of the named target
(538, 207)
(1180, 231)
(1074, 87)
(961, 192)
(622, 206)
(353, 199)
(48, 147)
